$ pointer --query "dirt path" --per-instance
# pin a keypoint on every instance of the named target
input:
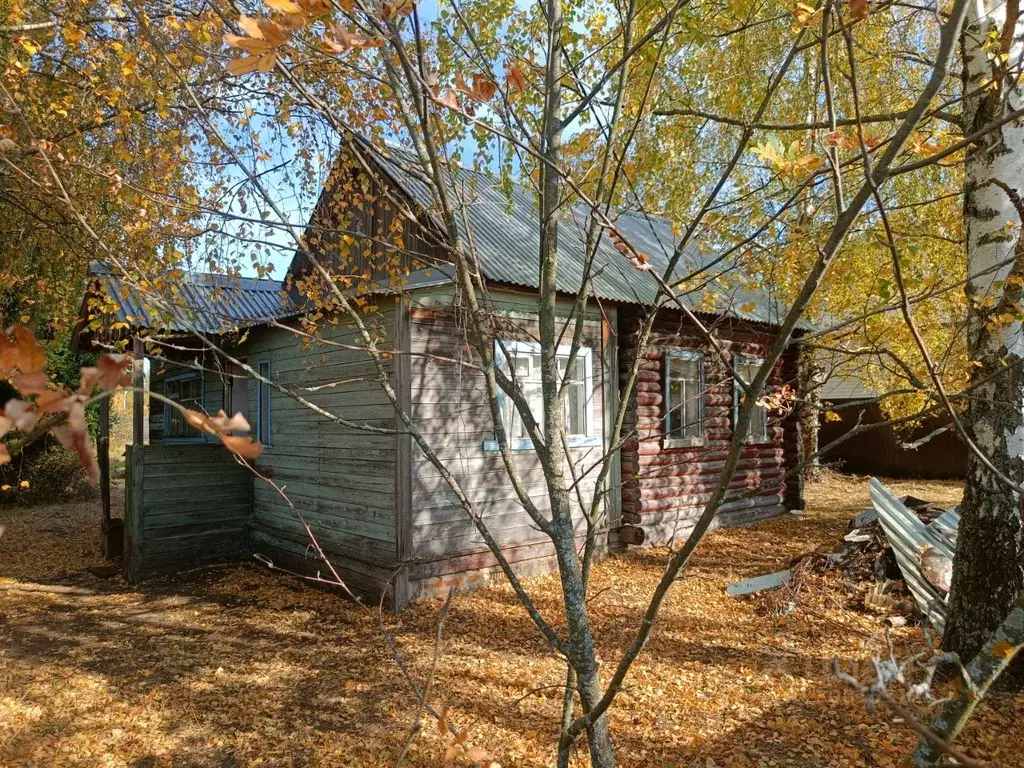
(235, 666)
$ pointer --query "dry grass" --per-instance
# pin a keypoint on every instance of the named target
(234, 666)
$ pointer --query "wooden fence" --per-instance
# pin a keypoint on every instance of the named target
(882, 451)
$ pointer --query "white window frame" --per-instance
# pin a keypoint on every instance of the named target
(668, 441)
(584, 357)
(737, 393)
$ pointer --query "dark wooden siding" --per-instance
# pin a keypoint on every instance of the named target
(186, 505)
(664, 488)
(340, 479)
(450, 407)
(880, 451)
(360, 233)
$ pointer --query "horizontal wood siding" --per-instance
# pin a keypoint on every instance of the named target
(664, 489)
(450, 408)
(340, 479)
(189, 505)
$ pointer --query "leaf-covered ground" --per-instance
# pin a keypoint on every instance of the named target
(235, 666)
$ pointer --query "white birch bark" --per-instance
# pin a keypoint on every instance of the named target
(988, 569)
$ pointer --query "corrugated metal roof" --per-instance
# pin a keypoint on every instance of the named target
(503, 220)
(840, 387)
(201, 301)
(909, 537)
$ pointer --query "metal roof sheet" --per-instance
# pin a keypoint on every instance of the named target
(200, 301)
(908, 536)
(503, 220)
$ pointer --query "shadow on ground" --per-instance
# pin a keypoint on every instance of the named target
(236, 666)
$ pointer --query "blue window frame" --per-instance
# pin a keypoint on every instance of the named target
(757, 429)
(684, 398)
(263, 430)
(523, 358)
(188, 390)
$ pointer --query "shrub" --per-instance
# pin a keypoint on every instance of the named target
(45, 472)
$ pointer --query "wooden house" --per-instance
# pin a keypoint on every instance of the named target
(379, 510)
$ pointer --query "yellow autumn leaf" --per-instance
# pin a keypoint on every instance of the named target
(250, 26)
(283, 6)
(248, 44)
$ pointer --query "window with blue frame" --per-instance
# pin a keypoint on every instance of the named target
(757, 429)
(522, 361)
(186, 389)
(684, 397)
(263, 403)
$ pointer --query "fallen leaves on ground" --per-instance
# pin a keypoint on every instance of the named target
(236, 666)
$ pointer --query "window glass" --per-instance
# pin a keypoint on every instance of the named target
(757, 430)
(575, 395)
(263, 403)
(574, 400)
(187, 391)
(684, 388)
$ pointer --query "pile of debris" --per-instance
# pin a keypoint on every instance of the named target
(897, 556)
(903, 549)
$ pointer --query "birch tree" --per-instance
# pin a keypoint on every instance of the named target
(989, 567)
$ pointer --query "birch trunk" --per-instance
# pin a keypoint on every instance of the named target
(987, 572)
(583, 655)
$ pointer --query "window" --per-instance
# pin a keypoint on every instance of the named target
(684, 397)
(187, 390)
(757, 430)
(263, 403)
(523, 358)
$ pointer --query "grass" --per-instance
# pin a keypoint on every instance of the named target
(235, 666)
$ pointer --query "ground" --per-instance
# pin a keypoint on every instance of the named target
(236, 666)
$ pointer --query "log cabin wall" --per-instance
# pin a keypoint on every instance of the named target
(664, 488)
(449, 405)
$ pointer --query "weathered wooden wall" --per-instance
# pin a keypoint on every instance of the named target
(340, 479)
(449, 405)
(185, 506)
(664, 488)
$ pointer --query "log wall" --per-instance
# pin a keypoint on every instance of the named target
(664, 489)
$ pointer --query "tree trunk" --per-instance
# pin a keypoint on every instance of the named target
(583, 656)
(988, 570)
(811, 379)
(581, 638)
